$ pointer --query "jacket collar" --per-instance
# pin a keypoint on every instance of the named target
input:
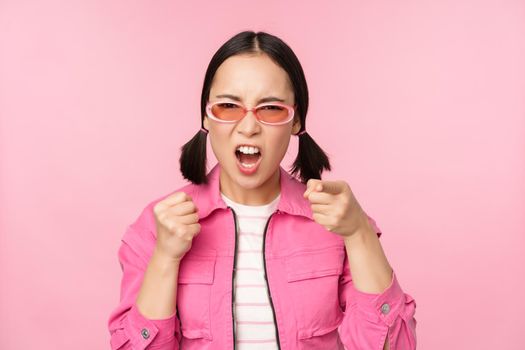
(208, 196)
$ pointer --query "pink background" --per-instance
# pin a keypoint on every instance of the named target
(420, 104)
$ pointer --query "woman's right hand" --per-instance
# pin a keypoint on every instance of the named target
(177, 223)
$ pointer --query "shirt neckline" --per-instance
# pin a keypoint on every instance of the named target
(252, 209)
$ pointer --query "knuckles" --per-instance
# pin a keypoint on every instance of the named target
(182, 231)
(180, 195)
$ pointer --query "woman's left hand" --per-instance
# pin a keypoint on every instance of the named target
(335, 207)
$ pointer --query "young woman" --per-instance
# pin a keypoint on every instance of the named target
(250, 256)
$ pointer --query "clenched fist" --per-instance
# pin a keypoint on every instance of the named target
(177, 223)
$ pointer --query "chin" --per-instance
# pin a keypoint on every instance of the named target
(249, 182)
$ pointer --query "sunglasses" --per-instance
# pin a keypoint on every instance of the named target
(270, 113)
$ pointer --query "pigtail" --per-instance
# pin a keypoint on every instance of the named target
(193, 158)
(311, 159)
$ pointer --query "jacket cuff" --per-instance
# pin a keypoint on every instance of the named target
(145, 330)
(385, 306)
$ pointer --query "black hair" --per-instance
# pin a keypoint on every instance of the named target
(311, 159)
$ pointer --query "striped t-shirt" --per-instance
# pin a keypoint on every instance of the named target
(254, 325)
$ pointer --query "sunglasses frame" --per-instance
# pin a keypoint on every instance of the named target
(291, 111)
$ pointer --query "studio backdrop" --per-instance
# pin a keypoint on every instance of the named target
(419, 104)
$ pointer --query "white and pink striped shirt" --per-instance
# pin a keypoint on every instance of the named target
(254, 324)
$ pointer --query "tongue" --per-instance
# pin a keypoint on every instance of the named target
(249, 158)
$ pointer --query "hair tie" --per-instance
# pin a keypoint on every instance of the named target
(206, 131)
(300, 133)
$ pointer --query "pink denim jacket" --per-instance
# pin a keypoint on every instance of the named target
(314, 302)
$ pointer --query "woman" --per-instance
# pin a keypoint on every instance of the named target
(249, 256)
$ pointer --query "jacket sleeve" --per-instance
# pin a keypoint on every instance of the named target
(128, 328)
(369, 318)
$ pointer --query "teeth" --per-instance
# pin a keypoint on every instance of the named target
(248, 149)
(247, 165)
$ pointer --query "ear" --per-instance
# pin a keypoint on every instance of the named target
(296, 126)
(206, 123)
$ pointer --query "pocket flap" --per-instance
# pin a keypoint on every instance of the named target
(198, 267)
(314, 263)
(196, 333)
(309, 333)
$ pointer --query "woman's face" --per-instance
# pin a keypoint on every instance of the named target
(251, 78)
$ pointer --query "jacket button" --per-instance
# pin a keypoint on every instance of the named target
(145, 333)
(385, 308)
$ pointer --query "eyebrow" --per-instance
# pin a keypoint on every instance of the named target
(262, 100)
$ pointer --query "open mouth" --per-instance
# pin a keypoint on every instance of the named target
(248, 160)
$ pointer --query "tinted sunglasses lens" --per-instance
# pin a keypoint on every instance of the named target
(227, 111)
(272, 113)
(231, 112)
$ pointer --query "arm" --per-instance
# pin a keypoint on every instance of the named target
(145, 317)
(377, 312)
(158, 293)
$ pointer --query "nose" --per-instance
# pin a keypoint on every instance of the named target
(249, 125)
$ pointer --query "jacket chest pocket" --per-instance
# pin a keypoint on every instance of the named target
(313, 282)
(196, 276)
